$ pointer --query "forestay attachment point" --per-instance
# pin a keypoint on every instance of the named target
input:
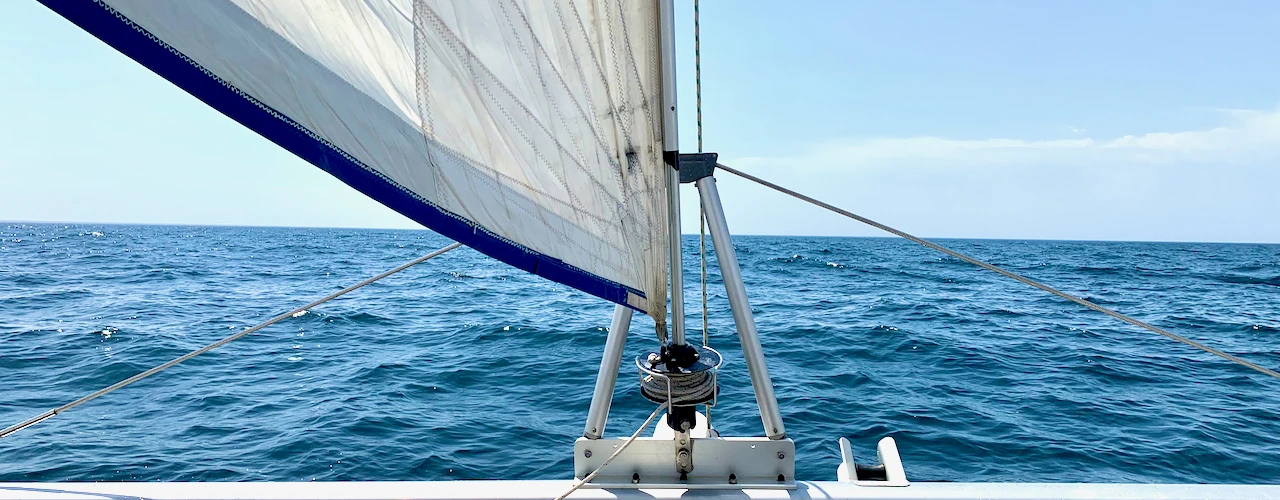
(694, 166)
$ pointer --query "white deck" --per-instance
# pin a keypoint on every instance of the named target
(471, 490)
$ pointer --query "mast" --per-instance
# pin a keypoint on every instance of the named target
(671, 155)
(679, 354)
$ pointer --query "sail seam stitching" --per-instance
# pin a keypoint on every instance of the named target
(325, 142)
(471, 59)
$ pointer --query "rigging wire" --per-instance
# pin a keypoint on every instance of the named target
(615, 454)
(1007, 274)
(49, 414)
(702, 249)
(697, 68)
(702, 213)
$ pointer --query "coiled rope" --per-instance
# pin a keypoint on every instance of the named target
(685, 388)
(1002, 272)
(615, 454)
(49, 414)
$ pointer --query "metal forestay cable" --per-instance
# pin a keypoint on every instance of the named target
(48, 414)
(1007, 274)
(697, 69)
(702, 213)
(702, 249)
(586, 479)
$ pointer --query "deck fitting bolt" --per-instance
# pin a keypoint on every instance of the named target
(781, 455)
(587, 453)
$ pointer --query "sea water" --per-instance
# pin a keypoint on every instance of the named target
(465, 368)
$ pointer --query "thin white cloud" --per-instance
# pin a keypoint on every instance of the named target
(1247, 136)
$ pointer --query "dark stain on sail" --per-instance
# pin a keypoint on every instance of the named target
(633, 159)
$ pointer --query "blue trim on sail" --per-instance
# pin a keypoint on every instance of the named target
(116, 30)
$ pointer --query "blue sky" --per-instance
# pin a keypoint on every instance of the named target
(1061, 120)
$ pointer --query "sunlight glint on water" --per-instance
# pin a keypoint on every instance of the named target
(464, 368)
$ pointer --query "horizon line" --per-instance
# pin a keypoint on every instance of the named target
(887, 236)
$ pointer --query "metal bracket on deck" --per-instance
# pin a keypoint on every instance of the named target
(888, 473)
(694, 166)
(734, 462)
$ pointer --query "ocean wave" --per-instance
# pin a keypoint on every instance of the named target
(977, 377)
(1250, 280)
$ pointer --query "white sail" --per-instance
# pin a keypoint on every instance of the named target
(529, 130)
